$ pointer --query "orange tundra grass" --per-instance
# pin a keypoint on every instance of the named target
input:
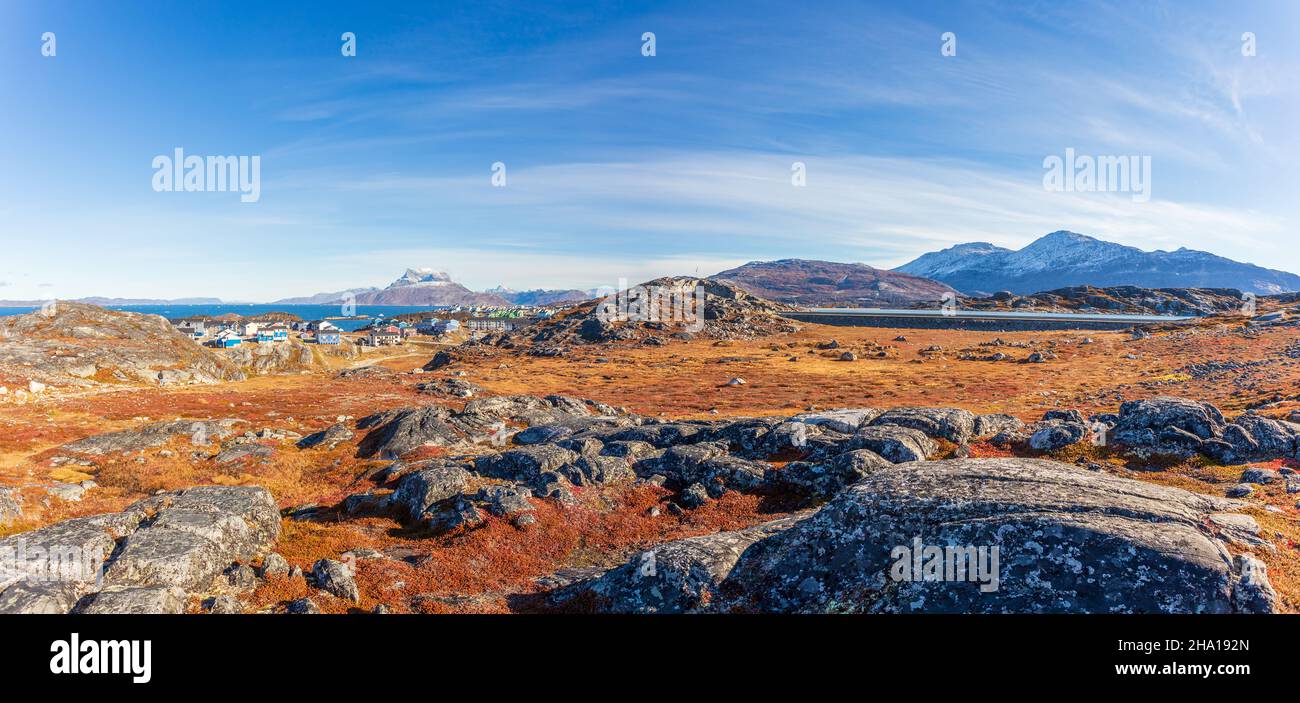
(497, 559)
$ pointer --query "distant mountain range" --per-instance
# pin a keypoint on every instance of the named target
(1062, 259)
(826, 283)
(415, 287)
(325, 298)
(106, 302)
(1058, 260)
(541, 296)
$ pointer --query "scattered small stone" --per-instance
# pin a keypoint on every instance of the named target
(1240, 490)
(335, 577)
(1259, 475)
(302, 606)
(275, 565)
(225, 605)
(71, 492)
(694, 496)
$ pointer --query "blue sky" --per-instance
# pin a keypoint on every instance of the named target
(621, 165)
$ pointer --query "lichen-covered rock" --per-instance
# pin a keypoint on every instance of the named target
(953, 424)
(1051, 435)
(597, 470)
(789, 438)
(1253, 593)
(72, 551)
(659, 435)
(181, 539)
(846, 420)
(543, 434)
(1260, 475)
(302, 606)
(81, 345)
(525, 464)
(823, 480)
(1252, 437)
(895, 443)
(987, 426)
(1140, 421)
(10, 510)
(243, 452)
(744, 436)
(1241, 490)
(630, 449)
(40, 597)
(328, 438)
(1067, 540)
(402, 431)
(504, 501)
(421, 490)
(677, 577)
(137, 600)
(196, 534)
(274, 565)
(706, 463)
(1064, 416)
(694, 496)
(335, 577)
(225, 605)
(199, 432)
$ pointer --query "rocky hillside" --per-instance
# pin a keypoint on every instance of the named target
(286, 356)
(729, 312)
(830, 284)
(855, 486)
(74, 344)
(1063, 259)
(1119, 299)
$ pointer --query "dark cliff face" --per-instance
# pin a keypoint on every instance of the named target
(1063, 259)
(806, 282)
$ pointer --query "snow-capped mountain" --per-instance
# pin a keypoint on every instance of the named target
(422, 277)
(415, 287)
(1062, 259)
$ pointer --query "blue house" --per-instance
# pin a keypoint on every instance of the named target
(229, 342)
(328, 337)
(265, 336)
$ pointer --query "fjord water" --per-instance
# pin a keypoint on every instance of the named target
(306, 312)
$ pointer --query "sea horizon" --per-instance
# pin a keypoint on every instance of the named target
(306, 312)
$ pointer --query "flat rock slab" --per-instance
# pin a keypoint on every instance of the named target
(179, 540)
(677, 577)
(1067, 540)
(124, 600)
(200, 432)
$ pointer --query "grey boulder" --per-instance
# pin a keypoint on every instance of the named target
(953, 424)
(1067, 540)
(895, 443)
